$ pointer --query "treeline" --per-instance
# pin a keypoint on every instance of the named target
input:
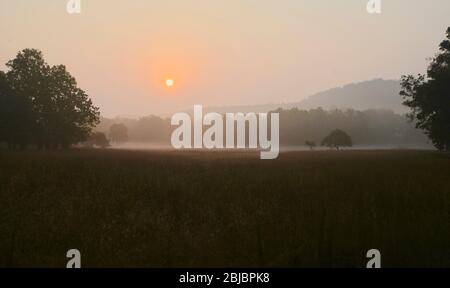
(41, 106)
(366, 128)
(149, 129)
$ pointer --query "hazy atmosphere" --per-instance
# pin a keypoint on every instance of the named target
(222, 52)
(224, 133)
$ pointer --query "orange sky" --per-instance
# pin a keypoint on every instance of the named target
(222, 52)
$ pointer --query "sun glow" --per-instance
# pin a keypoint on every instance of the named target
(170, 82)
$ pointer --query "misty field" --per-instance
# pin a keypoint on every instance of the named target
(222, 209)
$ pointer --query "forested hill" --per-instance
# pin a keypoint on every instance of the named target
(373, 94)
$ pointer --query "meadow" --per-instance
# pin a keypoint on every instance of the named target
(224, 209)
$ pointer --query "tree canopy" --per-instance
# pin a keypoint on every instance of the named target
(429, 97)
(7, 109)
(337, 139)
(47, 108)
(97, 139)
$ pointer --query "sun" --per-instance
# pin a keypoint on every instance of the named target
(170, 82)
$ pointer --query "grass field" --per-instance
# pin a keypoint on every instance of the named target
(216, 209)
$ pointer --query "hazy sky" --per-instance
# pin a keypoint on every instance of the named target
(222, 52)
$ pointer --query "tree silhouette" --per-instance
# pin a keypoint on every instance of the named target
(97, 139)
(118, 133)
(337, 139)
(310, 144)
(7, 110)
(26, 78)
(50, 110)
(429, 97)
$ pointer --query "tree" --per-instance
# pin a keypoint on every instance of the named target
(54, 112)
(118, 133)
(310, 144)
(26, 77)
(6, 109)
(4, 95)
(429, 97)
(97, 139)
(337, 139)
(73, 114)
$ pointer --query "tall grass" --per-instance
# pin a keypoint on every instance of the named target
(221, 209)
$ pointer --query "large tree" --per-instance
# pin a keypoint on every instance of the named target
(429, 97)
(54, 112)
(26, 78)
(6, 109)
(72, 114)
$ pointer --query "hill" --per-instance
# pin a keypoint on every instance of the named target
(373, 94)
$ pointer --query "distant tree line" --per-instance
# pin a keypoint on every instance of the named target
(149, 129)
(118, 133)
(366, 128)
(42, 106)
(298, 128)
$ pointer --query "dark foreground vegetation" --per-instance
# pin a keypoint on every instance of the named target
(172, 209)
